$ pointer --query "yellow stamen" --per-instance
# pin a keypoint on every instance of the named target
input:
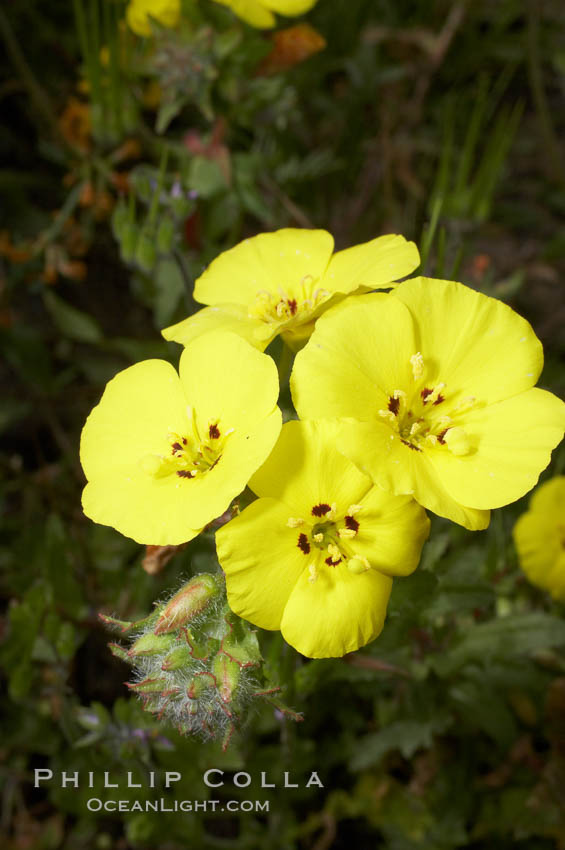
(444, 422)
(332, 513)
(436, 392)
(334, 551)
(458, 442)
(465, 404)
(318, 537)
(346, 532)
(388, 414)
(358, 565)
(313, 573)
(417, 363)
(294, 522)
(354, 509)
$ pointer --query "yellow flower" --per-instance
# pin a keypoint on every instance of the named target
(437, 384)
(259, 13)
(314, 555)
(539, 536)
(140, 12)
(164, 455)
(279, 283)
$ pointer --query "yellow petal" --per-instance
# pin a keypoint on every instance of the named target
(126, 442)
(140, 12)
(514, 439)
(244, 451)
(152, 511)
(304, 470)
(538, 545)
(398, 469)
(357, 356)
(289, 8)
(337, 613)
(374, 264)
(556, 579)
(392, 531)
(139, 408)
(549, 499)
(226, 378)
(227, 317)
(251, 11)
(259, 554)
(474, 344)
(264, 262)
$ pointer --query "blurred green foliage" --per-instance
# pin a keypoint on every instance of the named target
(127, 165)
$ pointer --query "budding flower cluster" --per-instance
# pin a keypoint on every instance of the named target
(196, 664)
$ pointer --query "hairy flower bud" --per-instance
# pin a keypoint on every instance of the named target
(152, 644)
(204, 676)
(191, 600)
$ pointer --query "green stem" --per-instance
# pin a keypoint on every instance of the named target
(284, 365)
(155, 200)
(430, 231)
(63, 215)
(554, 162)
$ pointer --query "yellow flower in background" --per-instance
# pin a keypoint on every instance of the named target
(314, 555)
(281, 282)
(164, 454)
(436, 382)
(539, 535)
(140, 12)
(260, 13)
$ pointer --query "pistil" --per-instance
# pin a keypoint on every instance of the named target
(189, 455)
(412, 415)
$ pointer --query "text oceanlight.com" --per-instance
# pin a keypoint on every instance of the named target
(94, 804)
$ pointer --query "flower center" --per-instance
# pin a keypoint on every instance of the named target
(190, 454)
(328, 538)
(290, 306)
(420, 418)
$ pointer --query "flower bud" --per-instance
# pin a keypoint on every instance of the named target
(148, 686)
(152, 644)
(227, 674)
(245, 653)
(193, 598)
(199, 683)
(197, 665)
(119, 652)
(177, 658)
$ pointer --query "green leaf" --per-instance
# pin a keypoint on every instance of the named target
(518, 634)
(206, 177)
(24, 623)
(12, 411)
(404, 735)
(484, 708)
(170, 287)
(167, 112)
(72, 323)
(58, 568)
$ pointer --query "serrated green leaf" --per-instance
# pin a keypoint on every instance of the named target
(404, 735)
(517, 634)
